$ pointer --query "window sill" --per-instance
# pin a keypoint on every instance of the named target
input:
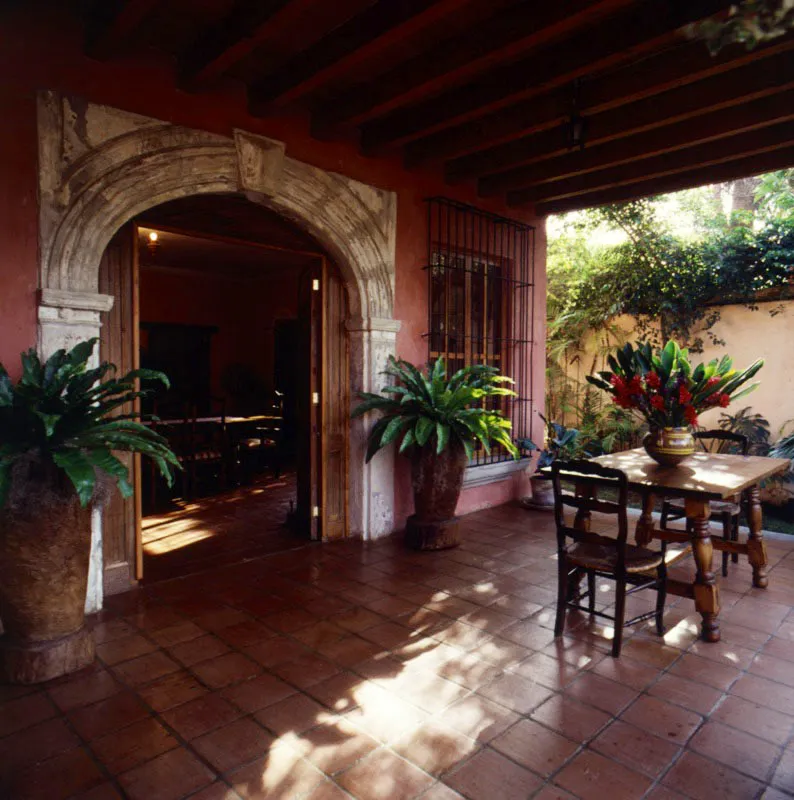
(492, 473)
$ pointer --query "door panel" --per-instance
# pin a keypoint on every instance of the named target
(308, 401)
(118, 276)
(335, 408)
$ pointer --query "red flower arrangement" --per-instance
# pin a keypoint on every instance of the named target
(666, 389)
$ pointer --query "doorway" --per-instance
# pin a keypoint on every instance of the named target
(245, 314)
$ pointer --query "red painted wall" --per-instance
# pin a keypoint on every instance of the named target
(45, 53)
(244, 312)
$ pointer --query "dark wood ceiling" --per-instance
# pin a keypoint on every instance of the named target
(483, 89)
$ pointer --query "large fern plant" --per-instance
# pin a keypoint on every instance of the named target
(429, 410)
(66, 416)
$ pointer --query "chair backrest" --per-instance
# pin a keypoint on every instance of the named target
(719, 441)
(588, 477)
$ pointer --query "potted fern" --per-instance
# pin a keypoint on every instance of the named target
(59, 425)
(437, 421)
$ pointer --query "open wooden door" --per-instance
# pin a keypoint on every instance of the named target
(323, 406)
(121, 519)
(335, 407)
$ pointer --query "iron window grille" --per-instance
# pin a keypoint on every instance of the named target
(480, 275)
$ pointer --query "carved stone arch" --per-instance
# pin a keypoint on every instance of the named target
(100, 167)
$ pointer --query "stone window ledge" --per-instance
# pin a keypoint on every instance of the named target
(492, 473)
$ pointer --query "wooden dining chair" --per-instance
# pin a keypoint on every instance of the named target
(727, 511)
(583, 552)
(209, 452)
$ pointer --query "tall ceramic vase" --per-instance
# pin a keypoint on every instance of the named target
(669, 446)
(437, 481)
(45, 542)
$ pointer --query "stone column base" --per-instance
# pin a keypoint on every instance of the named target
(36, 662)
(432, 535)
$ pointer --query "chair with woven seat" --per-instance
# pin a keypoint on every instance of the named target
(583, 552)
(727, 511)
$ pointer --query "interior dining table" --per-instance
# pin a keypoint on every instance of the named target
(699, 480)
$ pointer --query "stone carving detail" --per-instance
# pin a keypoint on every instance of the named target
(99, 167)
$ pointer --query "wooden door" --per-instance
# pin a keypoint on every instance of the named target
(308, 401)
(118, 276)
(323, 406)
(335, 408)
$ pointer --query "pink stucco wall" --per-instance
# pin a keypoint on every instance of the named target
(45, 53)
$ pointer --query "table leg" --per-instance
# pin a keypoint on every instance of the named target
(705, 588)
(756, 549)
(644, 532)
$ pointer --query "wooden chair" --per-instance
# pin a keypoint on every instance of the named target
(177, 432)
(582, 552)
(208, 449)
(727, 511)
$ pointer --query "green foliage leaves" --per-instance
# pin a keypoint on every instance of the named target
(429, 410)
(661, 278)
(72, 416)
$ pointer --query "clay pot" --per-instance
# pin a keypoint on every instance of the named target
(669, 446)
(542, 492)
(437, 481)
(45, 545)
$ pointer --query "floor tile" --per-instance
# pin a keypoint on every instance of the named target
(225, 670)
(517, 693)
(702, 779)
(755, 719)
(335, 745)
(435, 748)
(489, 775)
(384, 774)
(84, 690)
(172, 775)
(682, 692)
(535, 747)
(201, 716)
(571, 718)
(478, 718)
(201, 649)
(601, 692)
(124, 649)
(16, 715)
(36, 743)
(73, 772)
(281, 775)
(133, 745)
(590, 776)
(736, 749)
(108, 715)
(671, 723)
(257, 693)
(145, 668)
(635, 748)
(233, 745)
(172, 690)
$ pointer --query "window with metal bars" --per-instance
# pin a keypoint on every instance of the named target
(481, 270)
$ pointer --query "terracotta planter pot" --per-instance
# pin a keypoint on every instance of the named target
(437, 482)
(669, 446)
(45, 546)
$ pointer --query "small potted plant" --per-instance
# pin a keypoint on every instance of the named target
(669, 392)
(561, 442)
(59, 425)
(437, 421)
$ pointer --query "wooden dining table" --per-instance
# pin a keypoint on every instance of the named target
(699, 480)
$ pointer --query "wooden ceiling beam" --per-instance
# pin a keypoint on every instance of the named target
(501, 38)
(719, 173)
(658, 73)
(383, 24)
(645, 26)
(703, 155)
(670, 138)
(110, 22)
(756, 79)
(246, 27)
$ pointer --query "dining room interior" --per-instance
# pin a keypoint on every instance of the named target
(219, 311)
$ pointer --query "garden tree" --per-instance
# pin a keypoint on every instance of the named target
(668, 262)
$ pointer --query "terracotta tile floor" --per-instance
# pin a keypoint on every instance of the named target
(367, 671)
(221, 529)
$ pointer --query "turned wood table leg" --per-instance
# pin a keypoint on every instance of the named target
(706, 590)
(644, 532)
(756, 549)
